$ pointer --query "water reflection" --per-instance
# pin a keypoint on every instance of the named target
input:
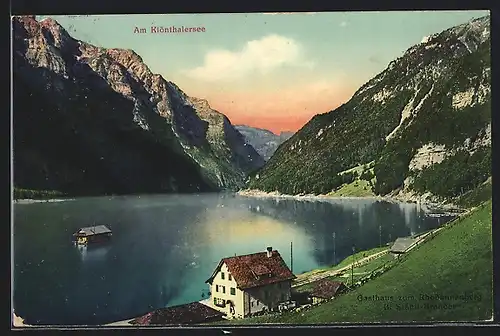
(165, 247)
(93, 253)
(361, 223)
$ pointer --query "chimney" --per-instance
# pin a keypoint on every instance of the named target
(269, 251)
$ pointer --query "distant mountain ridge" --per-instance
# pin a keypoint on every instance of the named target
(420, 128)
(91, 120)
(264, 141)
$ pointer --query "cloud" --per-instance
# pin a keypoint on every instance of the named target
(343, 24)
(260, 56)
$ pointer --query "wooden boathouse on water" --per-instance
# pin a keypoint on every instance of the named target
(92, 234)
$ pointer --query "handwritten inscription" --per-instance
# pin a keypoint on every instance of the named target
(168, 30)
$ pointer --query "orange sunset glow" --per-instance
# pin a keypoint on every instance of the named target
(279, 110)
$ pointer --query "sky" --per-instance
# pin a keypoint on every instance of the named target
(273, 71)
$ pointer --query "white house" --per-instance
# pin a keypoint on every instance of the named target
(244, 285)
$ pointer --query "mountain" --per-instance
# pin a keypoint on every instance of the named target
(91, 120)
(420, 127)
(286, 135)
(264, 141)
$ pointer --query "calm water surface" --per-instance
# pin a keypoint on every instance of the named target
(165, 247)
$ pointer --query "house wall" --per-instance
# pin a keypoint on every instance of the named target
(237, 298)
(266, 297)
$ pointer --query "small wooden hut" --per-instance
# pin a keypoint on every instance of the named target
(92, 234)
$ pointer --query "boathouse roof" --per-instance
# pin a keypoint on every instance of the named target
(326, 289)
(93, 230)
(402, 244)
(257, 269)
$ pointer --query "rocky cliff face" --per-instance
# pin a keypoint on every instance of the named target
(94, 120)
(264, 141)
(227, 143)
(423, 124)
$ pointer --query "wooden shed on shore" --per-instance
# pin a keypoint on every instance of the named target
(325, 289)
(401, 245)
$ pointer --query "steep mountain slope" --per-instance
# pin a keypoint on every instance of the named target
(425, 121)
(94, 120)
(286, 135)
(264, 141)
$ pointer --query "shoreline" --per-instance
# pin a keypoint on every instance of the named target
(275, 194)
(426, 206)
(32, 200)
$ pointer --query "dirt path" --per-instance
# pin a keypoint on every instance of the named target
(422, 238)
(303, 279)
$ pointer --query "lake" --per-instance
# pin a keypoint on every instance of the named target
(164, 247)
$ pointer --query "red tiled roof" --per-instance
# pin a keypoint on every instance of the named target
(260, 269)
(326, 289)
(253, 270)
(190, 313)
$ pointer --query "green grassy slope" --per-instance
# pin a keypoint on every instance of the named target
(457, 261)
(476, 196)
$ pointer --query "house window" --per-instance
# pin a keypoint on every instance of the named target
(222, 275)
(229, 277)
(217, 288)
(252, 303)
(233, 291)
(223, 289)
(257, 303)
(219, 302)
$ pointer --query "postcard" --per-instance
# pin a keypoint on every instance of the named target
(250, 169)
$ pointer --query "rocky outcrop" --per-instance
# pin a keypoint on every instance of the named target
(127, 124)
